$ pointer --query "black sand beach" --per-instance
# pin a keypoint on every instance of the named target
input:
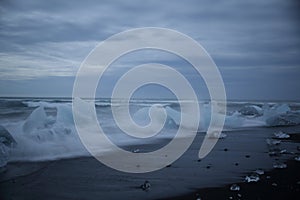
(234, 157)
(92, 93)
(274, 184)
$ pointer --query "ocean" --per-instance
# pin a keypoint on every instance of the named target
(42, 155)
(41, 129)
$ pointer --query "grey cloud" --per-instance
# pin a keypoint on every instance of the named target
(51, 38)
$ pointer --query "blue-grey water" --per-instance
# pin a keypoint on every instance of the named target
(38, 129)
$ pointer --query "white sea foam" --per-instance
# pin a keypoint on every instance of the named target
(44, 136)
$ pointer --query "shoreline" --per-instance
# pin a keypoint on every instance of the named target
(233, 158)
(274, 184)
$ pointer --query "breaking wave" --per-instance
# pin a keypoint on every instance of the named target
(49, 133)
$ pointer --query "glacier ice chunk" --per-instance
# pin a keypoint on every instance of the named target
(279, 165)
(281, 135)
(234, 187)
(252, 178)
(251, 110)
(37, 120)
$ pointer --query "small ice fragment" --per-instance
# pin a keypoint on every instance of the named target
(274, 184)
(279, 165)
(273, 142)
(198, 197)
(252, 178)
(297, 158)
(230, 197)
(273, 153)
(222, 136)
(235, 187)
(283, 151)
(259, 171)
(281, 135)
(239, 195)
(268, 177)
(146, 186)
(217, 135)
(136, 151)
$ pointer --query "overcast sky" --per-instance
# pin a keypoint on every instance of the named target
(254, 43)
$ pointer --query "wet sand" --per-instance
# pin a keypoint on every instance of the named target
(238, 155)
(275, 184)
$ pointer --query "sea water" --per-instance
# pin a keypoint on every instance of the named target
(39, 129)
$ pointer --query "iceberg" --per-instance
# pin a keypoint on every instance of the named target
(37, 120)
(6, 141)
(286, 119)
(64, 115)
(280, 115)
(6, 138)
(251, 110)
